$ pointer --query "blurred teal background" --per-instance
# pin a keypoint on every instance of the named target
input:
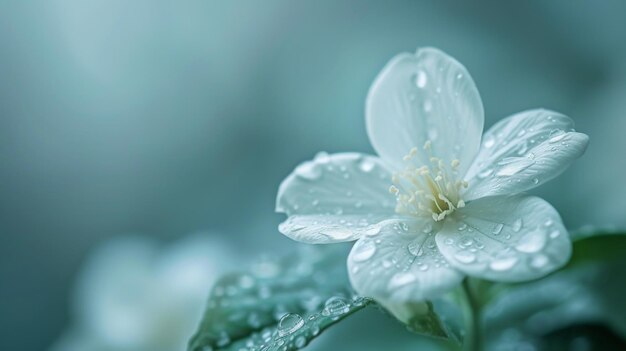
(164, 118)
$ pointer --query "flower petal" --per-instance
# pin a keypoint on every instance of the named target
(524, 151)
(401, 262)
(506, 238)
(425, 96)
(335, 196)
(325, 229)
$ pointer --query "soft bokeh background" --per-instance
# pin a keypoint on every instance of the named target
(163, 118)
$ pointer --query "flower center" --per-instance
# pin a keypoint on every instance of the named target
(429, 190)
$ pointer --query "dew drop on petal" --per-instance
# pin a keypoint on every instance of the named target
(401, 279)
(497, 229)
(503, 264)
(517, 225)
(428, 229)
(421, 79)
(539, 261)
(415, 248)
(308, 170)
(489, 142)
(372, 231)
(363, 250)
(464, 256)
(322, 157)
(337, 233)
(556, 135)
(366, 165)
(531, 242)
(555, 234)
(485, 173)
(513, 165)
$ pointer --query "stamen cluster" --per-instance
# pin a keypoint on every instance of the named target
(429, 190)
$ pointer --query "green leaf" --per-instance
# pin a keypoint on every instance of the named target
(589, 291)
(280, 304)
(606, 245)
(430, 319)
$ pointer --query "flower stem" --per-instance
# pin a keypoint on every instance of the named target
(473, 335)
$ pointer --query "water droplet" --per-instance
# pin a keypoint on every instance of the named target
(548, 223)
(322, 157)
(449, 241)
(556, 135)
(428, 106)
(517, 225)
(489, 142)
(300, 342)
(289, 324)
(358, 204)
(415, 248)
(513, 165)
(421, 79)
(423, 267)
(401, 279)
(404, 226)
(462, 226)
(366, 165)
(308, 170)
(337, 233)
(555, 234)
(459, 76)
(503, 264)
(466, 241)
(485, 173)
(539, 261)
(531, 242)
(464, 256)
(315, 329)
(363, 250)
(535, 181)
(372, 231)
(497, 229)
(335, 306)
(427, 229)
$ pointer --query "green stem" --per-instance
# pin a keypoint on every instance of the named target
(473, 335)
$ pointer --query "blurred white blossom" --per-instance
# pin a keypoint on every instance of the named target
(133, 294)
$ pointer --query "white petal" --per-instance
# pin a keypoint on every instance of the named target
(401, 263)
(506, 238)
(524, 151)
(324, 229)
(329, 198)
(425, 96)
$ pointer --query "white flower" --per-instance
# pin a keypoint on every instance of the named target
(437, 204)
(133, 295)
